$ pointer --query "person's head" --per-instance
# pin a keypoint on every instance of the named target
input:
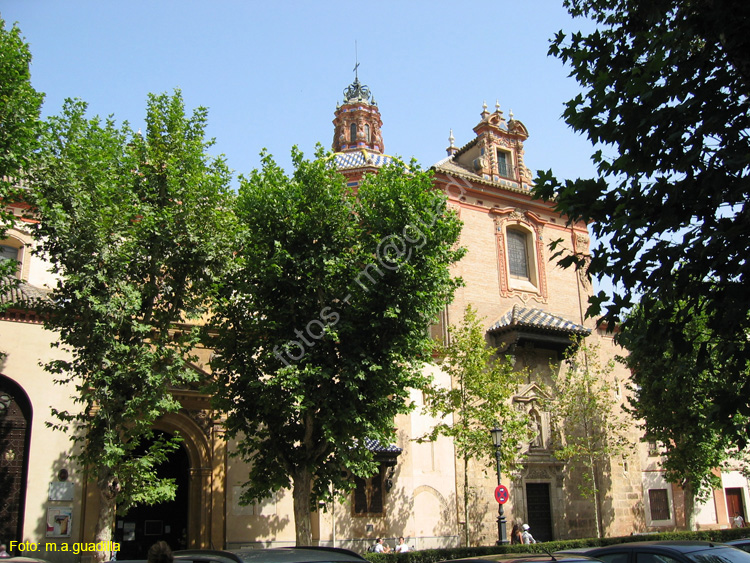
(160, 552)
(379, 540)
(516, 527)
(401, 539)
(3, 547)
(525, 527)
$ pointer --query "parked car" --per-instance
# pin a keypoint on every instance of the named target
(742, 543)
(529, 558)
(668, 552)
(272, 555)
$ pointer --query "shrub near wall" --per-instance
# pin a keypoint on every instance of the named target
(437, 555)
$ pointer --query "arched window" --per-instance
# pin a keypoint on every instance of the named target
(518, 254)
(353, 133)
(367, 133)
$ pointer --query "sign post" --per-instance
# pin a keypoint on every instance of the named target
(501, 494)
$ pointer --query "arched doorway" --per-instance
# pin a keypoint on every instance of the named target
(15, 434)
(205, 448)
(143, 526)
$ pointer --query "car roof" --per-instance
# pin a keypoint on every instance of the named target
(310, 554)
(681, 546)
(528, 558)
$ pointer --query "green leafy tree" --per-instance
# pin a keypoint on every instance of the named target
(665, 93)
(479, 400)
(671, 380)
(20, 126)
(321, 325)
(135, 227)
(588, 418)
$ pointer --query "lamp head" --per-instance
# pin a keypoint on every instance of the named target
(497, 436)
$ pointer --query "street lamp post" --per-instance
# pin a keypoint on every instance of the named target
(497, 440)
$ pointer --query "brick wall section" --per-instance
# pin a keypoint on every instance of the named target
(482, 209)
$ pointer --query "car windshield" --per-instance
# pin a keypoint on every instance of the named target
(719, 555)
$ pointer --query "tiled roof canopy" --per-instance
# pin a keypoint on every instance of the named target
(21, 302)
(522, 324)
(376, 447)
(384, 454)
(19, 294)
(360, 159)
(522, 317)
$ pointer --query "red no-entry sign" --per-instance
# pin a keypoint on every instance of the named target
(501, 494)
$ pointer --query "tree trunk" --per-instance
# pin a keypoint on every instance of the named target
(109, 488)
(467, 533)
(597, 507)
(688, 493)
(302, 483)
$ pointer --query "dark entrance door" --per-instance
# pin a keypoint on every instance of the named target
(143, 526)
(540, 511)
(15, 425)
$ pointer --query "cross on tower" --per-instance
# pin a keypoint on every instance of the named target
(356, 61)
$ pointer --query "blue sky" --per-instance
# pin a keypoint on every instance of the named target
(271, 72)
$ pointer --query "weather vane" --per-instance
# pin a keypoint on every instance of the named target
(356, 91)
(356, 62)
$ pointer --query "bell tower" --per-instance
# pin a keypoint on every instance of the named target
(357, 122)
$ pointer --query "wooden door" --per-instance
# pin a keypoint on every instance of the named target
(735, 504)
(15, 424)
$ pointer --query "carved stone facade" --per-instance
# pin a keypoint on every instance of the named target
(532, 226)
(532, 309)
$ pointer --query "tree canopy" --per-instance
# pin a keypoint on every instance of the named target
(135, 227)
(589, 419)
(666, 85)
(20, 105)
(321, 323)
(671, 386)
(479, 399)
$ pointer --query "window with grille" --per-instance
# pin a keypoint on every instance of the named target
(10, 252)
(518, 257)
(502, 163)
(653, 449)
(368, 495)
(353, 133)
(659, 502)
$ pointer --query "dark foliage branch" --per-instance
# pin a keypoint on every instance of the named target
(665, 100)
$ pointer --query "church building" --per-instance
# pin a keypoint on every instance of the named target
(532, 310)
